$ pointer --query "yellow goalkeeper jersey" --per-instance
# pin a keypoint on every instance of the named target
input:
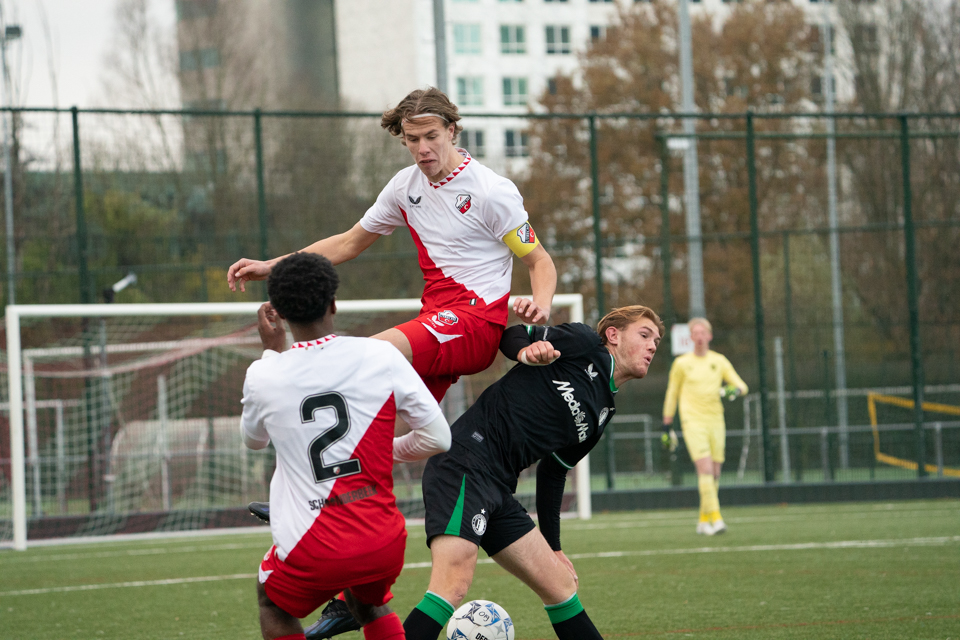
(696, 381)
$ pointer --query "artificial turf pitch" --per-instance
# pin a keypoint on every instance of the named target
(857, 570)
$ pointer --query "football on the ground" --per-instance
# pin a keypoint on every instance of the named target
(480, 620)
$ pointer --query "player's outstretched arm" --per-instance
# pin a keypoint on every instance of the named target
(339, 248)
(246, 270)
(543, 283)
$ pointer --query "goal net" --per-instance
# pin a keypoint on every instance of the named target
(125, 418)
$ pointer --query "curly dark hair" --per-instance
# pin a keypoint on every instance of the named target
(302, 286)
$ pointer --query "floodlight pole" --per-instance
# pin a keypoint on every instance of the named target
(691, 170)
(836, 286)
(10, 32)
(440, 44)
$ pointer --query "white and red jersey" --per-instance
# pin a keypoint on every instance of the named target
(329, 407)
(458, 225)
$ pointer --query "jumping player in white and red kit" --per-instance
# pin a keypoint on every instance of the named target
(467, 223)
(329, 405)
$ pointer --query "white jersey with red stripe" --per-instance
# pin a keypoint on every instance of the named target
(329, 407)
(458, 225)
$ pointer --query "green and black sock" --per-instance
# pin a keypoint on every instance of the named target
(570, 621)
(427, 619)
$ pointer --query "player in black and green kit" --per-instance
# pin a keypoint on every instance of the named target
(551, 408)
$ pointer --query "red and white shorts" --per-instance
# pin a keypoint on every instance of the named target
(448, 343)
(300, 590)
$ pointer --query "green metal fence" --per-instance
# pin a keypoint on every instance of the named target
(177, 196)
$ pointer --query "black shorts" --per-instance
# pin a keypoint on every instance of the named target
(463, 499)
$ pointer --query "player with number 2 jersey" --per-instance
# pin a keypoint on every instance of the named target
(328, 405)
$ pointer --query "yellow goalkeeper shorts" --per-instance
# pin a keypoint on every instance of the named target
(703, 441)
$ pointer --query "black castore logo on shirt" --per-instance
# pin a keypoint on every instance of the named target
(413, 200)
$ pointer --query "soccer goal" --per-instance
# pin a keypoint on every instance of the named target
(125, 418)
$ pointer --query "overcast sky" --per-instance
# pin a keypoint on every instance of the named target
(73, 43)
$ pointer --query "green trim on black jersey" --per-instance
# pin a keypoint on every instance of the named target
(453, 527)
(557, 458)
(613, 365)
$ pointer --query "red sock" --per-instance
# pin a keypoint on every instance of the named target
(296, 636)
(387, 627)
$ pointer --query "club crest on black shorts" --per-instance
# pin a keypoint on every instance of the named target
(479, 523)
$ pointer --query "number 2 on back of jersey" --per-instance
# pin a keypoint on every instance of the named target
(308, 408)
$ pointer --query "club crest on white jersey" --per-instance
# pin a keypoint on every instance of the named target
(463, 203)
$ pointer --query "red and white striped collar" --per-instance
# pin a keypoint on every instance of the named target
(313, 343)
(455, 172)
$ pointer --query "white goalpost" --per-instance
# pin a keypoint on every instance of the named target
(131, 391)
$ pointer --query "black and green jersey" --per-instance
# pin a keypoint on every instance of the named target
(554, 413)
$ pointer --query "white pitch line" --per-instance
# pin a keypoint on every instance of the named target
(803, 546)
(123, 585)
(152, 551)
(684, 520)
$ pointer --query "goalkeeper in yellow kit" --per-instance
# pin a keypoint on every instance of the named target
(700, 380)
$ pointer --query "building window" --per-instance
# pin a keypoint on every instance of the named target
(470, 91)
(558, 40)
(516, 143)
(511, 0)
(816, 86)
(514, 92)
(552, 86)
(472, 141)
(513, 39)
(592, 1)
(554, 0)
(199, 59)
(865, 37)
(817, 40)
(190, 9)
(466, 39)
(597, 32)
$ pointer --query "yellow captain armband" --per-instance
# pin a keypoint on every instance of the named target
(522, 240)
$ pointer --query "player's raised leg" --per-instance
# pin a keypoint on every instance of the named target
(552, 577)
